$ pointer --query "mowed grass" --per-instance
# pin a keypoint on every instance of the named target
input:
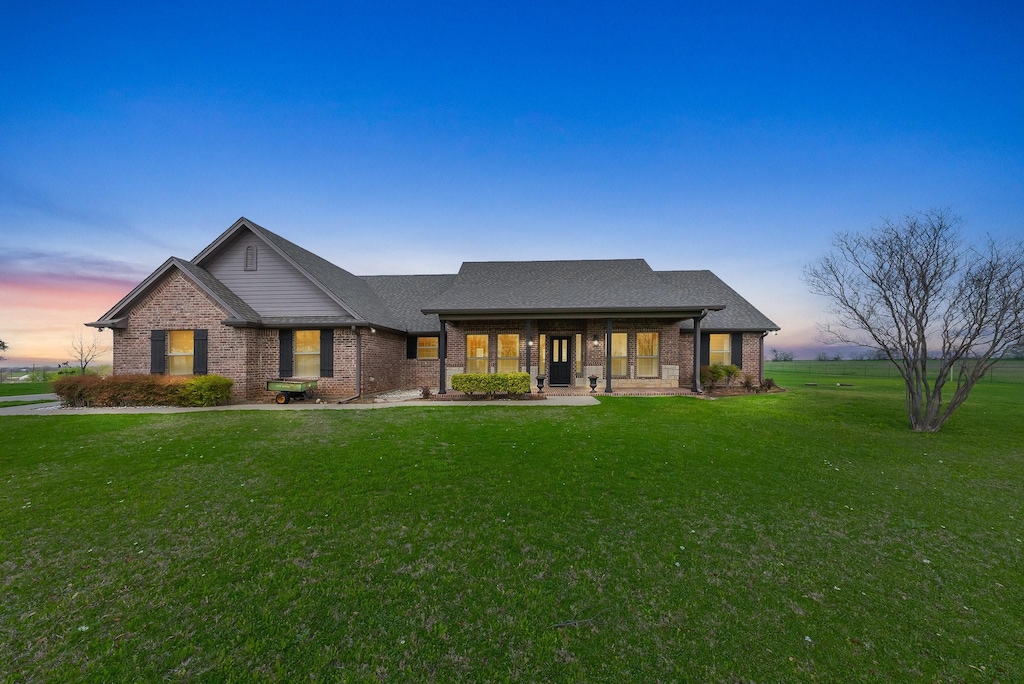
(791, 537)
(14, 389)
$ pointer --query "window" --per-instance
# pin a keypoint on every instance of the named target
(181, 350)
(619, 368)
(476, 353)
(426, 347)
(647, 354)
(542, 355)
(307, 354)
(719, 349)
(250, 258)
(508, 353)
(579, 354)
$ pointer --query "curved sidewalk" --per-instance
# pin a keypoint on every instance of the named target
(53, 408)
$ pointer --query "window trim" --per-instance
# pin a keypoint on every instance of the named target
(624, 359)
(478, 360)
(191, 355)
(436, 347)
(306, 354)
(507, 360)
(656, 357)
(725, 353)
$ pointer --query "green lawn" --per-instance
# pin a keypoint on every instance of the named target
(792, 537)
(14, 389)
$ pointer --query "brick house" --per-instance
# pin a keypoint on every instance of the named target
(253, 306)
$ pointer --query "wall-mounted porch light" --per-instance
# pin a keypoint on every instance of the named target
(597, 341)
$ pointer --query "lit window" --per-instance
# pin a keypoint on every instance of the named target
(720, 349)
(508, 353)
(307, 354)
(476, 353)
(181, 350)
(426, 347)
(579, 353)
(647, 354)
(619, 352)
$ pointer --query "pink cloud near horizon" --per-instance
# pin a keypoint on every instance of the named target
(41, 312)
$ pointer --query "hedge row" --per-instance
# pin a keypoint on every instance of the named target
(492, 383)
(143, 390)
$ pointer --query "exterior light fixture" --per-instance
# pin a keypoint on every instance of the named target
(596, 342)
(373, 330)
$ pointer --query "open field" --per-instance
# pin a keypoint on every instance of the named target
(15, 389)
(1006, 371)
(805, 536)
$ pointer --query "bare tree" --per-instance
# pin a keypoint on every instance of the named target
(84, 351)
(3, 348)
(936, 307)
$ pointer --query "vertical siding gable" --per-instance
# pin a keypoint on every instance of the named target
(275, 288)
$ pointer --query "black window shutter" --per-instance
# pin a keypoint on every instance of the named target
(199, 352)
(411, 344)
(286, 353)
(157, 349)
(736, 343)
(327, 353)
(705, 349)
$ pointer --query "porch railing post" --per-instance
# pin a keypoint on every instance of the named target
(442, 356)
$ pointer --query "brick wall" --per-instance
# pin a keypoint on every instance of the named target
(753, 356)
(177, 304)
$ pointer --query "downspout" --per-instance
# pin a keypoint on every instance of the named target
(760, 362)
(359, 362)
(697, 389)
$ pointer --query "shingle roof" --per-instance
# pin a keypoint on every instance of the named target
(351, 291)
(562, 286)
(738, 314)
(236, 309)
(236, 305)
(405, 296)
(488, 288)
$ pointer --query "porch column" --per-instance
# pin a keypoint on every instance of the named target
(529, 346)
(608, 358)
(442, 356)
(696, 352)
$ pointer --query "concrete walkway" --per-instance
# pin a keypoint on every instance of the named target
(54, 409)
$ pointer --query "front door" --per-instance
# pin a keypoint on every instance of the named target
(561, 368)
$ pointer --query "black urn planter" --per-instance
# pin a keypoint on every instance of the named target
(540, 384)
(593, 383)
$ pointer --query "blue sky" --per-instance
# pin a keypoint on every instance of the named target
(408, 137)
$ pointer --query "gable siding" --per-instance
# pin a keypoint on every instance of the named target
(276, 288)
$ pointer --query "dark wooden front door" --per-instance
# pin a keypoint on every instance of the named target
(561, 366)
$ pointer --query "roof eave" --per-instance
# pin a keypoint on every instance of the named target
(577, 312)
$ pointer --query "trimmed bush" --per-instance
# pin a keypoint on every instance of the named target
(205, 390)
(490, 384)
(143, 390)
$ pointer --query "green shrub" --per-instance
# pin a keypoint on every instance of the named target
(730, 373)
(490, 384)
(205, 390)
(143, 390)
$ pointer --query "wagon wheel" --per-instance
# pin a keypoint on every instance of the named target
(282, 398)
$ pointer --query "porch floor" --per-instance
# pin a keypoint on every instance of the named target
(452, 395)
